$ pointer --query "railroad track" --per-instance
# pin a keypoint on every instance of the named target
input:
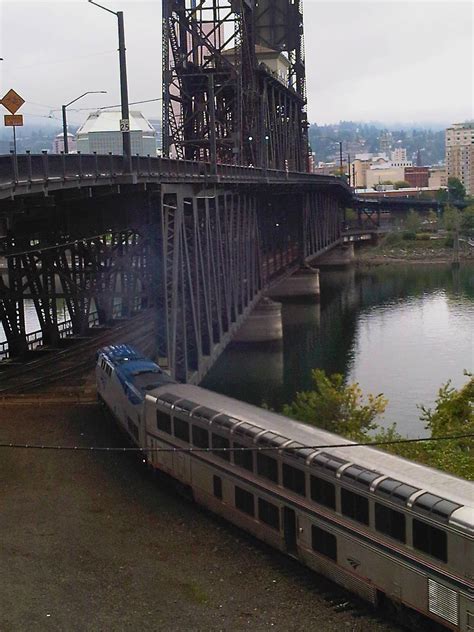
(67, 368)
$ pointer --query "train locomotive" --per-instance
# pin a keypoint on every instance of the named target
(386, 529)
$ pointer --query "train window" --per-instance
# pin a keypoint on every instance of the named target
(242, 457)
(297, 450)
(225, 421)
(200, 437)
(430, 540)
(323, 492)
(244, 501)
(328, 462)
(269, 514)
(221, 442)
(217, 486)
(267, 467)
(181, 429)
(355, 506)
(397, 491)
(163, 421)
(390, 522)
(294, 479)
(205, 413)
(324, 542)
(359, 476)
(185, 406)
(435, 505)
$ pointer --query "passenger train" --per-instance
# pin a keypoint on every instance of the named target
(387, 529)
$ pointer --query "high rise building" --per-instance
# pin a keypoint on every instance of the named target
(58, 143)
(385, 142)
(460, 154)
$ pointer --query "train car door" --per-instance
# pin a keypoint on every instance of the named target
(289, 528)
(183, 467)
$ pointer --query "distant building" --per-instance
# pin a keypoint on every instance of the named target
(438, 177)
(101, 134)
(275, 62)
(385, 142)
(158, 127)
(58, 143)
(398, 158)
(380, 174)
(417, 176)
(460, 154)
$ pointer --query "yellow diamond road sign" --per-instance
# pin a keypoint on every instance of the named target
(12, 101)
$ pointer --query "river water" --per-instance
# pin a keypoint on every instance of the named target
(400, 330)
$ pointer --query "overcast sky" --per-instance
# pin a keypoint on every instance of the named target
(382, 60)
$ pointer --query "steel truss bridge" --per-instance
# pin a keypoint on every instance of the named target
(198, 235)
(198, 245)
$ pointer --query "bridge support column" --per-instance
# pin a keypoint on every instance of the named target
(264, 324)
(338, 257)
(302, 285)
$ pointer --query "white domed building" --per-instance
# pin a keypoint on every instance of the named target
(101, 134)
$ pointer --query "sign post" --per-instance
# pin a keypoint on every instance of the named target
(12, 101)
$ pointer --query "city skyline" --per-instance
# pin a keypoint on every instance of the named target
(387, 61)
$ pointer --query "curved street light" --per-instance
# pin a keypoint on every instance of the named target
(63, 107)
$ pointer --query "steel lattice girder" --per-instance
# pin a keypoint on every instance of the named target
(220, 250)
(113, 272)
(212, 273)
(222, 103)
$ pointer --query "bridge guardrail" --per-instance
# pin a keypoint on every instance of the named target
(29, 169)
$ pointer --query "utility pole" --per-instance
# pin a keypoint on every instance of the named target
(127, 143)
(125, 123)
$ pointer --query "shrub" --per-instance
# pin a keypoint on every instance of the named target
(423, 236)
(449, 241)
(392, 239)
(409, 235)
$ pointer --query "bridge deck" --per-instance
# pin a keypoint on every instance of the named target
(28, 173)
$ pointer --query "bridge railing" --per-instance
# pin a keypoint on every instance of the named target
(45, 168)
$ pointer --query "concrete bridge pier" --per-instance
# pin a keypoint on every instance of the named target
(303, 285)
(264, 324)
(338, 257)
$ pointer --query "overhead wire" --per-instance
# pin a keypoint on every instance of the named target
(79, 448)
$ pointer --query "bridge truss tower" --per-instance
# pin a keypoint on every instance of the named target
(234, 82)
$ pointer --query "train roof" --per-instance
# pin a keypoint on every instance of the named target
(134, 368)
(432, 485)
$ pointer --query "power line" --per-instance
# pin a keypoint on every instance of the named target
(27, 446)
(117, 105)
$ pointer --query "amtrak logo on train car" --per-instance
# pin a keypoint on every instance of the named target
(354, 563)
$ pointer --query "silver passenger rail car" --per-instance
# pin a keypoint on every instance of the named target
(381, 526)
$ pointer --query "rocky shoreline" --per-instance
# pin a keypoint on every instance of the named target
(412, 253)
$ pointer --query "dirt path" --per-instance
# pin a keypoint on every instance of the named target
(89, 541)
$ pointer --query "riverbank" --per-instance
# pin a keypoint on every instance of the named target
(431, 251)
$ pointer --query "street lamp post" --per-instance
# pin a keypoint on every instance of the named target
(63, 108)
(127, 146)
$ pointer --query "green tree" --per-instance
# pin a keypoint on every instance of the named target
(412, 221)
(453, 412)
(341, 408)
(432, 219)
(451, 218)
(351, 215)
(337, 407)
(467, 219)
(402, 184)
(456, 189)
